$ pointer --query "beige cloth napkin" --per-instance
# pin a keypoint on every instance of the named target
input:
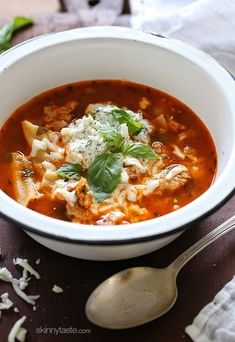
(216, 321)
(206, 24)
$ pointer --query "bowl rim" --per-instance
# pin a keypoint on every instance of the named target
(125, 234)
(115, 242)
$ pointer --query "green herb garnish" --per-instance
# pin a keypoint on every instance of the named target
(70, 171)
(112, 137)
(134, 126)
(104, 175)
(139, 151)
(115, 143)
(7, 30)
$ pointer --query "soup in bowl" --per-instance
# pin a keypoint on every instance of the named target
(114, 156)
(105, 152)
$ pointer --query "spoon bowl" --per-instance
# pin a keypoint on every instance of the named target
(141, 294)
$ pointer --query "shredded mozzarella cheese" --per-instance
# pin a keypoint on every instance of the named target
(17, 332)
(57, 289)
(24, 263)
(37, 146)
(175, 170)
(6, 302)
(5, 275)
(27, 298)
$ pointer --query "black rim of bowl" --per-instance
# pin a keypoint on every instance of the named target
(127, 241)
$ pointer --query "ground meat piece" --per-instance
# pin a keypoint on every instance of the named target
(84, 197)
(175, 126)
(176, 182)
(56, 118)
(79, 214)
(171, 178)
(133, 167)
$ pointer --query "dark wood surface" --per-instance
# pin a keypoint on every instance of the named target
(198, 282)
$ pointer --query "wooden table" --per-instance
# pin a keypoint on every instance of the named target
(198, 282)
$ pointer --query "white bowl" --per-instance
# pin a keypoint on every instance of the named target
(120, 53)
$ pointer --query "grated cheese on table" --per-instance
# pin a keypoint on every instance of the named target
(17, 331)
(24, 263)
(20, 284)
(6, 302)
(37, 262)
(5, 275)
(57, 289)
(27, 298)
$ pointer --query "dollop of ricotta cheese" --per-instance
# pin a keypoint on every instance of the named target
(82, 140)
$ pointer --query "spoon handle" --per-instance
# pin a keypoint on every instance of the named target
(215, 234)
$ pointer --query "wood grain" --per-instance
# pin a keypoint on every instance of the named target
(198, 282)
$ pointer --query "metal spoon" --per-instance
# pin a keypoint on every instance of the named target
(141, 294)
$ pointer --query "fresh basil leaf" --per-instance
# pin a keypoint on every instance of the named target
(7, 30)
(104, 175)
(113, 138)
(134, 127)
(20, 22)
(140, 151)
(4, 46)
(70, 171)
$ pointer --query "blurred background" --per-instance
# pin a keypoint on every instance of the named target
(207, 24)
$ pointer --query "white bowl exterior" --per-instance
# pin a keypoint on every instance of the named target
(105, 253)
(120, 53)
